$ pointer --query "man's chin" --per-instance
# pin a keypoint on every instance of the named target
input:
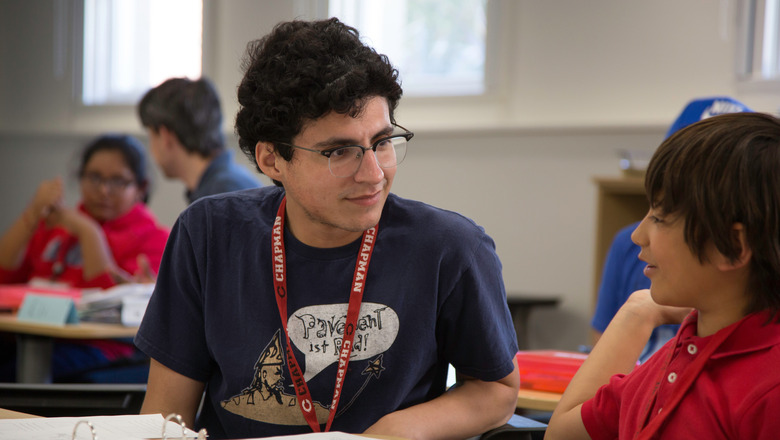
(371, 219)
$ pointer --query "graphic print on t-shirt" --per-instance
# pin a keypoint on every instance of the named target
(316, 331)
(62, 253)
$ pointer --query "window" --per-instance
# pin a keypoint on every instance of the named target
(438, 47)
(133, 45)
(760, 40)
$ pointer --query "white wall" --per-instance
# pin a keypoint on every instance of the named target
(582, 80)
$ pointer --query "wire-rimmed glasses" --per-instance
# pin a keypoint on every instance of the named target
(345, 161)
(114, 184)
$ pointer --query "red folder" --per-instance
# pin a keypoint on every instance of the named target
(548, 370)
(12, 295)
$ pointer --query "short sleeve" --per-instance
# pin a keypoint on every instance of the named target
(172, 331)
(600, 414)
(475, 325)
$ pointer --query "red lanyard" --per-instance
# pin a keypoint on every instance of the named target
(355, 299)
(647, 430)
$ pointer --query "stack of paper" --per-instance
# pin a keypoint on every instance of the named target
(124, 303)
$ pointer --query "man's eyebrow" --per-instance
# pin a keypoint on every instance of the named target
(387, 131)
(341, 141)
(334, 142)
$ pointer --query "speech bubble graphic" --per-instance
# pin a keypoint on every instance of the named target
(317, 331)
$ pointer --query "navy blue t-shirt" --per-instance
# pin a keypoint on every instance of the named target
(434, 295)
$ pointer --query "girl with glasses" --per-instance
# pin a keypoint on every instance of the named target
(110, 237)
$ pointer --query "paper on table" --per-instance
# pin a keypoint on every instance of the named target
(124, 303)
(106, 427)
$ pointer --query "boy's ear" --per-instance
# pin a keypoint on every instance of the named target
(268, 160)
(739, 240)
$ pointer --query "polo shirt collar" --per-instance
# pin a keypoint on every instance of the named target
(756, 331)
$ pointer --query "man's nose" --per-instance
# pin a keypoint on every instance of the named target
(369, 169)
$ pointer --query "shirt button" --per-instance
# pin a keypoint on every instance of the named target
(692, 349)
(672, 377)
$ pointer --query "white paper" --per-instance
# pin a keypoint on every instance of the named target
(106, 427)
(133, 310)
(113, 296)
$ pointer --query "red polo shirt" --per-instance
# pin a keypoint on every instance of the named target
(737, 395)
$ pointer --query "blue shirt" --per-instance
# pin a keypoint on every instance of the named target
(223, 175)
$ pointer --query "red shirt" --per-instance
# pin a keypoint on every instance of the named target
(737, 395)
(54, 254)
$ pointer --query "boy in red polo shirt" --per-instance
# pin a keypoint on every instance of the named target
(711, 241)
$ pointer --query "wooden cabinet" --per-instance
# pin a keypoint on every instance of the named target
(621, 201)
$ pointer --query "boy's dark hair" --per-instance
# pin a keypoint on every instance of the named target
(302, 71)
(718, 172)
(131, 149)
(190, 109)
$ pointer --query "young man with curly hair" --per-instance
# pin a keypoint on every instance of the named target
(326, 302)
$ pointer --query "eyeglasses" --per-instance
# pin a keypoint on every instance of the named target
(345, 161)
(113, 184)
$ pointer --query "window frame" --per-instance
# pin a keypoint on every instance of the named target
(750, 41)
(498, 14)
(78, 39)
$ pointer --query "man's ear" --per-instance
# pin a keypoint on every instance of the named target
(739, 241)
(168, 137)
(268, 160)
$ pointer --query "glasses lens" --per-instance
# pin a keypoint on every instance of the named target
(117, 183)
(391, 152)
(91, 180)
(344, 161)
(113, 184)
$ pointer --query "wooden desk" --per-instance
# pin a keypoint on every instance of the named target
(8, 414)
(35, 342)
(537, 400)
(520, 306)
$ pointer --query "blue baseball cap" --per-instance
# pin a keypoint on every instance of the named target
(703, 108)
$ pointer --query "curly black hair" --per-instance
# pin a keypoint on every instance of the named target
(302, 71)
